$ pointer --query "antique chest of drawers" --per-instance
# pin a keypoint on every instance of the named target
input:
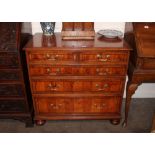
(76, 79)
(15, 100)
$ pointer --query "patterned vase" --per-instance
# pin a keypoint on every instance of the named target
(48, 28)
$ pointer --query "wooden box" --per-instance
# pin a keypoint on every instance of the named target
(78, 30)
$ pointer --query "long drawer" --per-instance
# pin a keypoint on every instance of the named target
(83, 56)
(77, 105)
(77, 70)
(9, 60)
(12, 105)
(6, 74)
(76, 85)
(9, 89)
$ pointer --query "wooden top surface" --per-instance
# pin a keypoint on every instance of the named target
(41, 42)
(145, 39)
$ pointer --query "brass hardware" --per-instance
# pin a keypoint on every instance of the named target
(51, 104)
(47, 56)
(108, 56)
(55, 106)
(146, 27)
(95, 105)
(51, 57)
(99, 56)
(106, 85)
(102, 73)
(58, 70)
(100, 89)
(52, 87)
(99, 107)
(49, 71)
(97, 85)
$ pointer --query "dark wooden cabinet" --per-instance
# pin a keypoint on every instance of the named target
(76, 79)
(15, 96)
(141, 37)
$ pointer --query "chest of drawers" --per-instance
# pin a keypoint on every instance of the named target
(15, 98)
(76, 79)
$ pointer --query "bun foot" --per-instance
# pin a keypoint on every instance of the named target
(40, 122)
(115, 121)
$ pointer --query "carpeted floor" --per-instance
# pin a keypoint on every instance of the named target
(140, 121)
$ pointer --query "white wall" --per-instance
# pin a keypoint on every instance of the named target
(98, 25)
(143, 91)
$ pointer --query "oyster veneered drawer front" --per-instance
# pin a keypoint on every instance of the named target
(53, 105)
(51, 56)
(104, 57)
(13, 75)
(11, 90)
(113, 85)
(9, 60)
(77, 70)
(12, 105)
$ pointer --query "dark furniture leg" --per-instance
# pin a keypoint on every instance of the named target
(29, 123)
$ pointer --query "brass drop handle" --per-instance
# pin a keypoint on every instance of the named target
(49, 71)
(99, 107)
(52, 87)
(51, 57)
(104, 87)
(102, 73)
(100, 57)
(53, 106)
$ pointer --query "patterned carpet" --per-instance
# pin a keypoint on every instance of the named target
(140, 121)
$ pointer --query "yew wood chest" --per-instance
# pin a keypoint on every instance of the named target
(76, 79)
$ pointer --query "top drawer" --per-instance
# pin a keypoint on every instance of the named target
(110, 57)
(80, 56)
(52, 56)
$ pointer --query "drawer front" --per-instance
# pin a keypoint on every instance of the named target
(112, 85)
(9, 75)
(148, 64)
(77, 71)
(52, 57)
(9, 60)
(12, 106)
(11, 90)
(77, 105)
(145, 28)
(104, 57)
